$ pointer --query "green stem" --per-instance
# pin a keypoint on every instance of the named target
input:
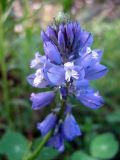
(39, 148)
(4, 73)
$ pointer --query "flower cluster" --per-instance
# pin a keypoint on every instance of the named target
(68, 66)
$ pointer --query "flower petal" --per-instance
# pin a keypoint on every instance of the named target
(85, 60)
(41, 100)
(30, 80)
(86, 39)
(83, 84)
(77, 32)
(92, 100)
(57, 142)
(61, 27)
(47, 124)
(44, 37)
(70, 127)
(69, 32)
(52, 53)
(80, 71)
(55, 75)
(95, 71)
(61, 40)
(97, 55)
(51, 33)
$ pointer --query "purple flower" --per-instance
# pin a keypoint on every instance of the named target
(90, 60)
(41, 100)
(52, 53)
(55, 75)
(47, 124)
(70, 128)
(95, 71)
(57, 141)
(68, 66)
(36, 81)
(88, 96)
(38, 61)
(71, 42)
(90, 99)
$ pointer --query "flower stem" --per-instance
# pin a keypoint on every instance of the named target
(4, 74)
(35, 154)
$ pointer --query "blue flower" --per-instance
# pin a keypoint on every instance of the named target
(65, 42)
(55, 75)
(52, 53)
(38, 61)
(37, 80)
(88, 96)
(90, 99)
(41, 100)
(47, 124)
(57, 141)
(70, 128)
(67, 68)
(90, 60)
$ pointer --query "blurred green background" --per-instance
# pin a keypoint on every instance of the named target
(20, 24)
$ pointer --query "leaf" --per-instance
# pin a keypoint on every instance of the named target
(14, 145)
(79, 155)
(104, 146)
(114, 117)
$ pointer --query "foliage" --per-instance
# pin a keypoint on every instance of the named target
(14, 145)
(79, 155)
(104, 146)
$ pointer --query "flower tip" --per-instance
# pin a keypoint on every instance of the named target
(61, 18)
(61, 148)
(32, 96)
(70, 128)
